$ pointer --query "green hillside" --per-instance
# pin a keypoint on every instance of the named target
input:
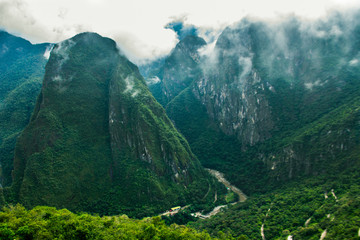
(99, 142)
(50, 223)
(22, 67)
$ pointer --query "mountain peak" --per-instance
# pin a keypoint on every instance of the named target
(112, 148)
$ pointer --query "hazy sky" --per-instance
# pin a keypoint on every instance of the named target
(138, 25)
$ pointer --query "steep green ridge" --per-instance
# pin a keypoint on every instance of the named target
(22, 66)
(50, 223)
(98, 141)
(177, 72)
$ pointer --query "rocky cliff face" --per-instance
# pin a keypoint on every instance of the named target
(257, 67)
(325, 146)
(232, 90)
(178, 70)
(265, 82)
(98, 141)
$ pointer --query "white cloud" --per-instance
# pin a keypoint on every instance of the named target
(354, 62)
(138, 25)
(153, 80)
(207, 50)
(129, 81)
(311, 85)
(48, 51)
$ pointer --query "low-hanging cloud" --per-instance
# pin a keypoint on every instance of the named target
(286, 37)
(15, 17)
(181, 28)
(137, 25)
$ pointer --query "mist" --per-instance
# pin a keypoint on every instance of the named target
(145, 30)
(281, 46)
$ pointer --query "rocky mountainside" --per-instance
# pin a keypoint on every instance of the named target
(178, 70)
(275, 100)
(98, 141)
(276, 107)
(22, 66)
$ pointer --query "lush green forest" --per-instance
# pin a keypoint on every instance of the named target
(303, 209)
(99, 142)
(49, 223)
(278, 114)
(22, 68)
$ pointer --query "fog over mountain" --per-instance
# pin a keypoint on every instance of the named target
(241, 119)
(139, 27)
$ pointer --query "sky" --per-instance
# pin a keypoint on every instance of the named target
(138, 26)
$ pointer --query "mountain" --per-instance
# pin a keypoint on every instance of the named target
(169, 77)
(276, 108)
(277, 100)
(22, 66)
(99, 142)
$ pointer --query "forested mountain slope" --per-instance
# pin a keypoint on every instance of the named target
(275, 100)
(98, 141)
(22, 66)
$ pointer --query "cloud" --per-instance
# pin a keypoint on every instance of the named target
(354, 62)
(141, 52)
(130, 86)
(153, 80)
(15, 17)
(62, 50)
(246, 64)
(281, 41)
(311, 85)
(138, 25)
(181, 28)
(48, 51)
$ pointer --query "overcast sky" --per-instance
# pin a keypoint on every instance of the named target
(138, 25)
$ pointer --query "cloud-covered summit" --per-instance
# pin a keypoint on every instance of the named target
(138, 26)
(181, 28)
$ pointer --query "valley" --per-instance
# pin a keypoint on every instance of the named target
(253, 133)
(220, 177)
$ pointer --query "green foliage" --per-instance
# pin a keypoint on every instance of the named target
(22, 67)
(290, 208)
(214, 149)
(312, 94)
(99, 142)
(49, 223)
(181, 218)
(177, 71)
(231, 197)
